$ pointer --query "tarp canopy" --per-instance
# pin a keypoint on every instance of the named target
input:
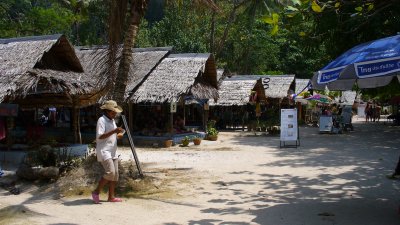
(369, 65)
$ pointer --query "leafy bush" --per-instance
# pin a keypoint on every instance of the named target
(212, 131)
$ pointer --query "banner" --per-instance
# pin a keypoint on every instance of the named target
(377, 68)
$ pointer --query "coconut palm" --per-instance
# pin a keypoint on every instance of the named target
(116, 78)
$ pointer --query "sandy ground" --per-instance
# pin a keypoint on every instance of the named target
(245, 178)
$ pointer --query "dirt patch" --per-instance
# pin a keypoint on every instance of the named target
(11, 214)
(157, 183)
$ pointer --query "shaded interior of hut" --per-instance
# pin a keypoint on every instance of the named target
(157, 120)
(31, 127)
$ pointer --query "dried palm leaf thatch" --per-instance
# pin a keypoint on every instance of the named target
(278, 86)
(6, 86)
(48, 87)
(179, 75)
(18, 55)
(203, 90)
(94, 61)
(236, 90)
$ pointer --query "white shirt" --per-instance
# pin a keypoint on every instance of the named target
(105, 148)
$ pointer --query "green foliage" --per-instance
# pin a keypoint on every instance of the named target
(211, 130)
(262, 37)
(182, 27)
(185, 141)
(382, 94)
(338, 26)
(27, 18)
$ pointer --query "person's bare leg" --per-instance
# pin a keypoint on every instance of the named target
(101, 184)
(111, 190)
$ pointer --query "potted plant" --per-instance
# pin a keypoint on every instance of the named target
(168, 143)
(185, 141)
(196, 141)
(212, 134)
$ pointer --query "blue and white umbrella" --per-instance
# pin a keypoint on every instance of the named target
(372, 64)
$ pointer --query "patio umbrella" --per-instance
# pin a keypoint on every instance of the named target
(372, 64)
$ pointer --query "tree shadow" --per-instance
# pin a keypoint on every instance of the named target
(348, 185)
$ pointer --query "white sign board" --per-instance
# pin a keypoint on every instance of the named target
(361, 110)
(289, 131)
(173, 107)
(325, 123)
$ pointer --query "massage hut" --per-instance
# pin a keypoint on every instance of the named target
(238, 96)
(43, 71)
(160, 98)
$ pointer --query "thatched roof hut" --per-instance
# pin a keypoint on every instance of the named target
(236, 90)
(278, 86)
(44, 66)
(179, 75)
(301, 85)
(94, 61)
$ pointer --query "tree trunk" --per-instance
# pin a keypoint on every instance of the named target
(136, 14)
(231, 18)
(124, 65)
(248, 48)
(212, 34)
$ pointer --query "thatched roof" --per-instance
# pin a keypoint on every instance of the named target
(301, 84)
(179, 75)
(236, 90)
(220, 74)
(278, 86)
(94, 62)
(18, 55)
(44, 66)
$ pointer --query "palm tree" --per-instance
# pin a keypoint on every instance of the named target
(116, 79)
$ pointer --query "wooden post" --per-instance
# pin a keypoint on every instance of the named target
(299, 106)
(184, 110)
(130, 114)
(205, 118)
(76, 124)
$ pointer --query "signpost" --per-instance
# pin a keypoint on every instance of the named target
(289, 128)
(173, 107)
